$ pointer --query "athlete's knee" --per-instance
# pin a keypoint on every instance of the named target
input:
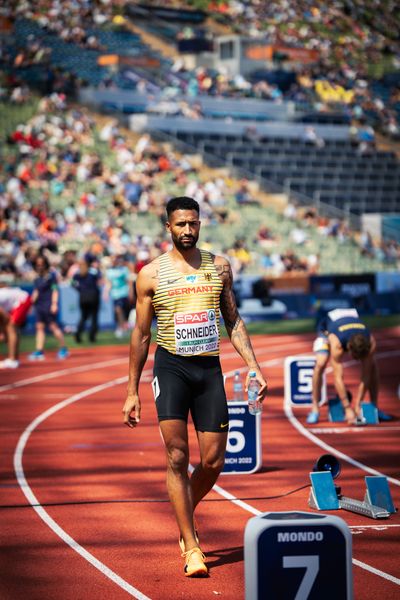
(178, 459)
(213, 463)
(320, 364)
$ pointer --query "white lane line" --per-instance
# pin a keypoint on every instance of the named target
(377, 527)
(43, 514)
(68, 371)
(352, 429)
(56, 396)
(366, 567)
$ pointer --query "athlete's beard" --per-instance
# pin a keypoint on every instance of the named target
(190, 242)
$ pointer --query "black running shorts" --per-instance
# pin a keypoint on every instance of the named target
(194, 384)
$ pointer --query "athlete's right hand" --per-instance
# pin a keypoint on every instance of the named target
(131, 410)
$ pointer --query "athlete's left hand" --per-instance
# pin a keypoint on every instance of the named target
(131, 410)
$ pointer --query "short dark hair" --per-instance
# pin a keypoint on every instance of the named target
(182, 203)
(359, 346)
(45, 260)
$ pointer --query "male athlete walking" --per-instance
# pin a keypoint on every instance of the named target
(187, 289)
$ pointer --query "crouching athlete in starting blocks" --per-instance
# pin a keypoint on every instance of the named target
(341, 331)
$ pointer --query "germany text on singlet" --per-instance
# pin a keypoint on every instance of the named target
(187, 308)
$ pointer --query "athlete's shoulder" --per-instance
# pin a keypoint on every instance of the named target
(220, 261)
(149, 274)
(223, 268)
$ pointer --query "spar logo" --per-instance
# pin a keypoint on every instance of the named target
(192, 318)
(211, 315)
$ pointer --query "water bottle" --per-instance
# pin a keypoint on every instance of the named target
(255, 406)
(237, 387)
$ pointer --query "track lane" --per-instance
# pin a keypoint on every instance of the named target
(220, 558)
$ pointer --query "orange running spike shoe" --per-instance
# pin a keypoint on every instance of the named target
(194, 563)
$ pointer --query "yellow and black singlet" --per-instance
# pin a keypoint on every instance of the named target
(187, 308)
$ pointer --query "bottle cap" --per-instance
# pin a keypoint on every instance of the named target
(252, 374)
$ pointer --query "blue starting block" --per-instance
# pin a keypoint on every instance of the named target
(335, 410)
(377, 503)
(378, 492)
(370, 413)
(323, 495)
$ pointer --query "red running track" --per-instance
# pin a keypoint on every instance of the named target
(101, 526)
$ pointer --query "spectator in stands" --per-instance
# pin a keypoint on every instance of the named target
(311, 137)
(392, 128)
(45, 298)
(313, 263)
(265, 237)
(290, 210)
(142, 145)
(241, 254)
(366, 139)
(367, 244)
(243, 195)
(298, 236)
(266, 261)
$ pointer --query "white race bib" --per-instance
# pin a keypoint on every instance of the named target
(341, 313)
(195, 332)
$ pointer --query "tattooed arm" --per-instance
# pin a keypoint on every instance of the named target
(146, 285)
(234, 323)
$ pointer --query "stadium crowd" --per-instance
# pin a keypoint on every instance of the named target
(346, 41)
(69, 186)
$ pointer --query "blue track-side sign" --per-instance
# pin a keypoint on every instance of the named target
(298, 380)
(243, 450)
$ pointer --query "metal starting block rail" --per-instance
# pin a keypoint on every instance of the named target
(325, 496)
(363, 508)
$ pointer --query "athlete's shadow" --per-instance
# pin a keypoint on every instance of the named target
(224, 556)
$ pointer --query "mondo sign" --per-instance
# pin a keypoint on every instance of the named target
(297, 556)
(298, 380)
(243, 448)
